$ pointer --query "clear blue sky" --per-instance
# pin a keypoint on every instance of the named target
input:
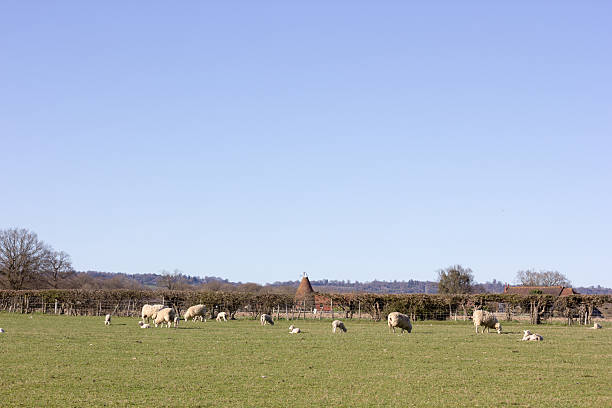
(354, 140)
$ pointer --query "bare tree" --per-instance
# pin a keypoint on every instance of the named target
(58, 268)
(530, 277)
(455, 279)
(22, 257)
(172, 281)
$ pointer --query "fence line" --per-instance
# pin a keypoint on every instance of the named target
(571, 309)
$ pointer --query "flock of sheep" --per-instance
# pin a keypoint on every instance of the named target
(162, 315)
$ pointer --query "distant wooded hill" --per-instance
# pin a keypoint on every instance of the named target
(153, 280)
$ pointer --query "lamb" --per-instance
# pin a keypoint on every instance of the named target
(222, 316)
(143, 325)
(399, 320)
(528, 336)
(265, 319)
(149, 310)
(167, 315)
(337, 324)
(194, 312)
(486, 320)
(596, 326)
(294, 330)
(107, 320)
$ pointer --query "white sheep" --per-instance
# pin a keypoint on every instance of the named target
(486, 320)
(167, 315)
(222, 316)
(149, 310)
(265, 319)
(399, 320)
(528, 336)
(107, 320)
(1, 330)
(143, 325)
(295, 330)
(596, 326)
(194, 312)
(337, 324)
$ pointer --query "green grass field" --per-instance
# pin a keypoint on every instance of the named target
(77, 361)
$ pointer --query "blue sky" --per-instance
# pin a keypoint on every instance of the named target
(353, 141)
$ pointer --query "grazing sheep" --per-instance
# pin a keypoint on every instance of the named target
(149, 310)
(143, 325)
(194, 312)
(167, 315)
(528, 336)
(265, 319)
(337, 324)
(596, 326)
(399, 320)
(107, 320)
(486, 320)
(222, 316)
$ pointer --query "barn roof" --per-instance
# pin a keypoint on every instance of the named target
(545, 290)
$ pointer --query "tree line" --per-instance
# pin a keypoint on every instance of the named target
(26, 262)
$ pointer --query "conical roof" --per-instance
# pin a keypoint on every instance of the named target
(304, 291)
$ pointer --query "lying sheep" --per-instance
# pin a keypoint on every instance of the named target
(167, 315)
(337, 324)
(194, 312)
(1, 330)
(107, 320)
(295, 330)
(596, 326)
(149, 310)
(399, 320)
(528, 336)
(143, 325)
(222, 316)
(486, 320)
(265, 319)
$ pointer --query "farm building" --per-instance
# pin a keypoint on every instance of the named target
(305, 294)
(540, 290)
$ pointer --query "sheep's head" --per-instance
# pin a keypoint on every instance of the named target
(526, 333)
(291, 327)
(498, 327)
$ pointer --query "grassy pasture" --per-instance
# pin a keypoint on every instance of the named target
(49, 361)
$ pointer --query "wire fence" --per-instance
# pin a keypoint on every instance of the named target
(580, 309)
